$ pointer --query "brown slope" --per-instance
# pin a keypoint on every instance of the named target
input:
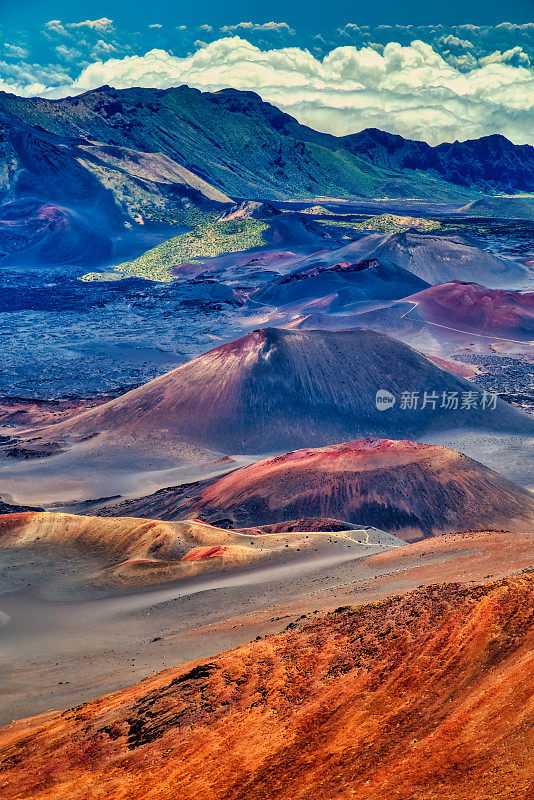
(475, 308)
(426, 696)
(278, 389)
(409, 489)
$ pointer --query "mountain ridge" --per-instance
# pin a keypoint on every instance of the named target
(120, 117)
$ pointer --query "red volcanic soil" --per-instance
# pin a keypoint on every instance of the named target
(427, 696)
(463, 370)
(475, 308)
(22, 411)
(409, 489)
(202, 553)
(302, 524)
(25, 223)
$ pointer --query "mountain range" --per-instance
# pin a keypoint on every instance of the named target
(129, 148)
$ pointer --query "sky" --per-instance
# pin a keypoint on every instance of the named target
(317, 14)
(428, 71)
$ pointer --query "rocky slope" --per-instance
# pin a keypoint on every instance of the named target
(426, 696)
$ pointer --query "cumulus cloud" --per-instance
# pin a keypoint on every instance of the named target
(30, 79)
(277, 27)
(513, 26)
(15, 51)
(102, 24)
(68, 53)
(411, 90)
(454, 41)
(155, 25)
(515, 55)
(102, 49)
(56, 26)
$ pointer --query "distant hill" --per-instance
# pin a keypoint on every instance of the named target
(521, 207)
(489, 163)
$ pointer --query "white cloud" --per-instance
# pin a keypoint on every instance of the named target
(103, 48)
(206, 28)
(411, 90)
(512, 26)
(15, 51)
(30, 79)
(56, 26)
(102, 24)
(68, 53)
(454, 41)
(156, 25)
(515, 56)
(277, 27)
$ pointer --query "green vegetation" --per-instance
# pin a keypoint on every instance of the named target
(178, 214)
(208, 239)
(317, 210)
(387, 223)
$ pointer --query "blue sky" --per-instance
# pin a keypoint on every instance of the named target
(303, 13)
(425, 70)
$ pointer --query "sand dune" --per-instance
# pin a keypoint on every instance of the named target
(144, 551)
(395, 699)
